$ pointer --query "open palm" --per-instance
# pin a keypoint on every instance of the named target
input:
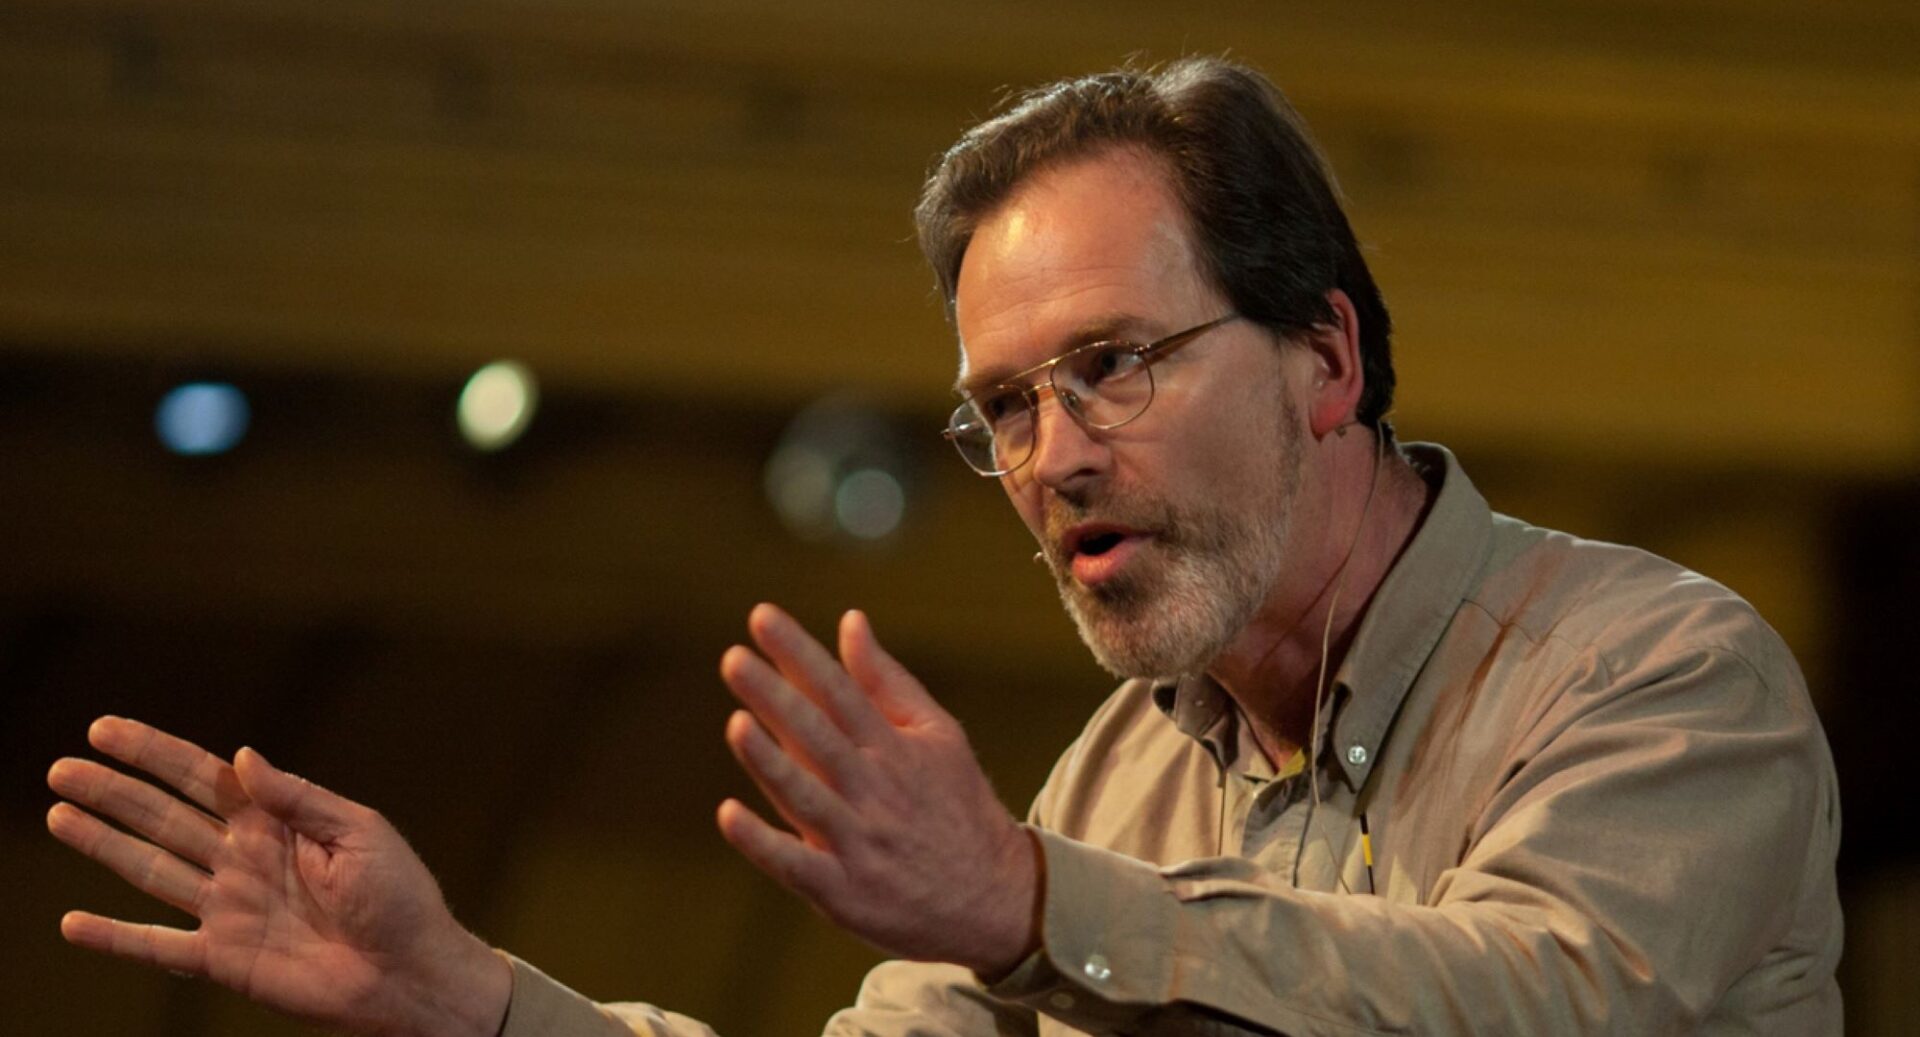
(307, 902)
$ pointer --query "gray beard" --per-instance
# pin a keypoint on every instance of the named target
(1195, 585)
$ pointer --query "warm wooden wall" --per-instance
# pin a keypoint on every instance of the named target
(1606, 227)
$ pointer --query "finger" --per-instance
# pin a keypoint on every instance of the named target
(811, 668)
(801, 798)
(794, 719)
(147, 867)
(736, 736)
(198, 774)
(301, 805)
(138, 805)
(157, 945)
(805, 870)
(900, 696)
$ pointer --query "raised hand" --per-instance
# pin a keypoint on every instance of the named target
(897, 836)
(308, 903)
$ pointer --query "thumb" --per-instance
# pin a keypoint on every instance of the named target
(898, 693)
(296, 802)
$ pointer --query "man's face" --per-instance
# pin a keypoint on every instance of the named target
(1166, 535)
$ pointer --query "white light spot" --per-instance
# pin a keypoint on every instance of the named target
(202, 418)
(497, 404)
(869, 503)
(839, 475)
(799, 482)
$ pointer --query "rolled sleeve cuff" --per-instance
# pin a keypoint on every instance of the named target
(1106, 944)
(541, 1006)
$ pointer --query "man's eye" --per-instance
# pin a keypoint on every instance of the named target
(998, 406)
(1106, 362)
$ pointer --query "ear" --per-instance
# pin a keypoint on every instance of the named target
(1334, 349)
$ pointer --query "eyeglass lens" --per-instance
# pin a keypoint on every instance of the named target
(1104, 385)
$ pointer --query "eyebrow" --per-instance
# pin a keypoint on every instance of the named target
(1104, 328)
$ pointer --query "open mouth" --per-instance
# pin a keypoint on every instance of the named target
(1099, 543)
(1097, 553)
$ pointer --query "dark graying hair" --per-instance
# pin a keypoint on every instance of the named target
(1260, 199)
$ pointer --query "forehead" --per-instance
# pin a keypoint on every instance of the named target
(1098, 247)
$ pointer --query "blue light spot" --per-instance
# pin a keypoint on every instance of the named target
(201, 418)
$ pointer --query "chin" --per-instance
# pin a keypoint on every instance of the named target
(1173, 633)
(1186, 599)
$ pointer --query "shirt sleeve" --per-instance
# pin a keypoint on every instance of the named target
(924, 999)
(543, 1007)
(1645, 850)
(898, 999)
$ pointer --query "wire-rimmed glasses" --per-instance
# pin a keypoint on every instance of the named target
(1103, 385)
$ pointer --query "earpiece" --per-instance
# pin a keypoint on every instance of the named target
(1326, 644)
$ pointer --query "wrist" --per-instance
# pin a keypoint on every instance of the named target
(462, 992)
(1023, 908)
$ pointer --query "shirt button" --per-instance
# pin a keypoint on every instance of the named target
(1356, 754)
(1097, 969)
(1061, 1000)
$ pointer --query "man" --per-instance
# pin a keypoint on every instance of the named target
(1384, 762)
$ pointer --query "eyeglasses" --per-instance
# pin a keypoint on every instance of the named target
(1103, 385)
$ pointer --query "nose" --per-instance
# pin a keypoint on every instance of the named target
(1066, 454)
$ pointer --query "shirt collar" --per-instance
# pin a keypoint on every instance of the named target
(1412, 609)
(1410, 612)
(1203, 711)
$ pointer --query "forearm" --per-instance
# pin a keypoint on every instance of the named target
(1129, 946)
(898, 998)
(1505, 945)
(543, 1007)
(461, 993)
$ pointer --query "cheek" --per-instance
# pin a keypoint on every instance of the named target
(1234, 444)
(1258, 412)
(1024, 494)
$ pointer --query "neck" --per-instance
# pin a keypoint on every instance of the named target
(1273, 670)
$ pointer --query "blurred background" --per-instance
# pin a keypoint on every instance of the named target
(1655, 266)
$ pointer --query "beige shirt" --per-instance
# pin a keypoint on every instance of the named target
(1598, 801)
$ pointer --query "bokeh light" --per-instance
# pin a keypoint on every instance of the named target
(202, 418)
(869, 503)
(840, 472)
(497, 405)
